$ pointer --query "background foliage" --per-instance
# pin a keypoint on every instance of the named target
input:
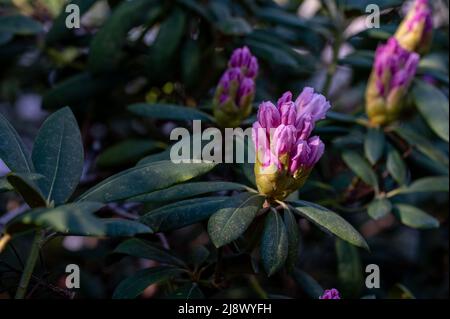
(135, 70)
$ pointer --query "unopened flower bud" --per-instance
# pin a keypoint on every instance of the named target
(285, 151)
(394, 69)
(416, 30)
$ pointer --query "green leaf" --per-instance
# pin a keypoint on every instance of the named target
(164, 48)
(191, 63)
(396, 166)
(374, 145)
(77, 219)
(134, 285)
(423, 145)
(4, 185)
(26, 187)
(187, 190)
(187, 292)
(274, 243)
(20, 25)
(308, 283)
(414, 217)
(126, 152)
(169, 112)
(379, 208)
(293, 236)
(433, 105)
(144, 179)
(360, 167)
(147, 250)
(58, 29)
(233, 218)
(58, 156)
(426, 184)
(78, 89)
(157, 157)
(350, 273)
(106, 48)
(235, 26)
(331, 222)
(12, 151)
(273, 55)
(183, 213)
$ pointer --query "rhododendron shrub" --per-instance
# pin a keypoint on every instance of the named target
(223, 149)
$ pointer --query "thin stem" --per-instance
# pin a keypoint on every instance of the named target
(254, 283)
(30, 264)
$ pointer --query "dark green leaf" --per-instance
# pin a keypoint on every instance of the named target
(414, 217)
(350, 273)
(20, 25)
(187, 190)
(144, 179)
(183, 213)
(78, 89)
(360, 167)
(166, 44)
(157, 157)
(396, 166)
(12, 151)
(331, 222)
(106, 48)
(4, 185)
(58, 156)
(77, 219)
(433, 105)
(234, 26)
(134, 285)
(147, 250)
(293, 235)
(126, 152)
(374, 145)
(308, 283)
(233, 218)
(379, 208)
(274, 243)
(427, 184)
(187, 292)
(26, 187)
(169, 112)
(423, 145)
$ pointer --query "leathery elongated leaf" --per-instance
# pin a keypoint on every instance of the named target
(58, 156)
(330, 221)
(77, 219)
(26, 187)
(360, 167)
(274, 243)
(183, 213)
(433, 105)
(12, 150)
(231, 220)
(187, 190)
(144, 179)
(414, 217)
(134, 285)
(169, 112)
(144, 249)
